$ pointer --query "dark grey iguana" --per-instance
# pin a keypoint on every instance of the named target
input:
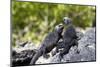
(69, 36)
(48, 44)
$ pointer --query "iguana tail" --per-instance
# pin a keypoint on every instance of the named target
(35, 57)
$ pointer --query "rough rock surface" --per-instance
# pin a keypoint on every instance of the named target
(86, 49)
(22, 56)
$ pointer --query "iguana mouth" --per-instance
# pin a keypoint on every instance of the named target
(61, 26)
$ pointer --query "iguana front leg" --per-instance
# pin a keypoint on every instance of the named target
(67, 47)
(45, 55)
(75, 43)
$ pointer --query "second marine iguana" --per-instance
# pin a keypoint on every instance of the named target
(69, 37)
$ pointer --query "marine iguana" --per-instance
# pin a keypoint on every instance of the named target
(48, 43)
(69, 37)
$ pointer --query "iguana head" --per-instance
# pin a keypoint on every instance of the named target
(67, 21)
(59, 28)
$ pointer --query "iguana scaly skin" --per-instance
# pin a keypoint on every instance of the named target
(48, 44)
(69, 36)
